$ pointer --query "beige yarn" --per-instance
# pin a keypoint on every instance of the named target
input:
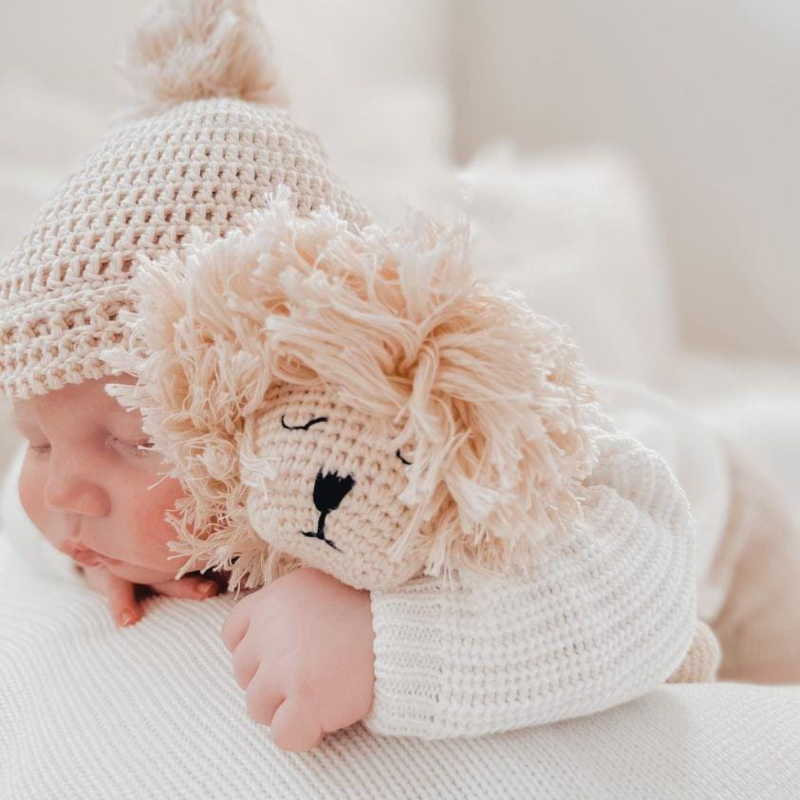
(204, 162)
(487, 396)
(322, 451)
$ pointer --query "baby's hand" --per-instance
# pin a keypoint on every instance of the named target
(303, 652)
(121, 594)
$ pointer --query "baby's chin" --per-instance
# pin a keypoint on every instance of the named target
(138, 574)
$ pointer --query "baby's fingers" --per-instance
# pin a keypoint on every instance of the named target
(295, 727)
(121, 594)
(191, 588)
(238, 622)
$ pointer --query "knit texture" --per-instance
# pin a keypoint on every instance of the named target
(91, 712)
(207, 145)
(609, 615)
(357, 492)
(748, 536)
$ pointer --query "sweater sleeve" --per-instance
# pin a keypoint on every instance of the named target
(608, 616)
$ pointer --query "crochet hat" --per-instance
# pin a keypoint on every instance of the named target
(209, 143)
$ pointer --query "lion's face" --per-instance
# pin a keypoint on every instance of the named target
(332, 498)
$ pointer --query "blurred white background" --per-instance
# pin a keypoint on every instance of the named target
(648, 193)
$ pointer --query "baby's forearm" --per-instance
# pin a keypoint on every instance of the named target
(608, 615)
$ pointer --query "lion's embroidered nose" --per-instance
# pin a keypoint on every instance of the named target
(330, 490)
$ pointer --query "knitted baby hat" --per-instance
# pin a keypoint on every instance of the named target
(209, 143)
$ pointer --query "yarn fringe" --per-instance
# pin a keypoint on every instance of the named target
(487, 396)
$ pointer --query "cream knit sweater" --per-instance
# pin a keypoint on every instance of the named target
(608, 618)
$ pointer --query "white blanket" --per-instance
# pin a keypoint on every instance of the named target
(89, 712)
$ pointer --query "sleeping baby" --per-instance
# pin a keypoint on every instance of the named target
(230, 379)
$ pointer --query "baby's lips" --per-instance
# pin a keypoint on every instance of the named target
(86, 559)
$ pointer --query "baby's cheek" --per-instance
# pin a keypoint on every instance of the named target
(25, 491)
(153, 531)
(30, 496)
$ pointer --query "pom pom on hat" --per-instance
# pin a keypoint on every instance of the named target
(193, 49)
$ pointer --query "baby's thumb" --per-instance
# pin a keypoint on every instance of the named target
(121, 594)
(122, 598)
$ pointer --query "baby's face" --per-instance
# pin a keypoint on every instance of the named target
(86, 485)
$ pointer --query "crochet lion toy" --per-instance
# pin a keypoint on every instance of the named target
(355, 401)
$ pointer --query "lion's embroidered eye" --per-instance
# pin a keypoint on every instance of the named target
(407, 463)
(301, 427)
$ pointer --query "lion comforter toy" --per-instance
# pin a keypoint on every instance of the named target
(355, 401)
(382, 415)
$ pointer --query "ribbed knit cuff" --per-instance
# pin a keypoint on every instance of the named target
(409, 646)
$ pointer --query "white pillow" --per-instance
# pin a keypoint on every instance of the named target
(574, 232)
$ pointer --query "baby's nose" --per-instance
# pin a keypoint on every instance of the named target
(70, 491)
(330, 489)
